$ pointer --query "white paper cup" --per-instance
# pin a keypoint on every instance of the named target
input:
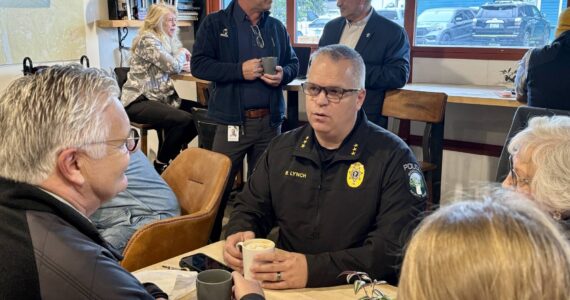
(250, 249)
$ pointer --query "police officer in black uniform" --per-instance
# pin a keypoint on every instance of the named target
(345, 193)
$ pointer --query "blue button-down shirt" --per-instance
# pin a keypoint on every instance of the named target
(256, 93)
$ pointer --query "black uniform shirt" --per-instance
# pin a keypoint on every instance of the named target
(355, 213)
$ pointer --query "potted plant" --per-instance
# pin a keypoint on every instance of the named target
(509, 75)
(367, 284)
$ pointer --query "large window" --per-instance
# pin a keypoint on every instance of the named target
(484, 29)
(312, 15)
(492, 24)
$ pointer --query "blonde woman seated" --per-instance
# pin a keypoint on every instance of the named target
(487, 250)
(148, 94)
(540, 165)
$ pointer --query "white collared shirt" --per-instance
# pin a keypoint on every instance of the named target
(353, 30)
(60, 199)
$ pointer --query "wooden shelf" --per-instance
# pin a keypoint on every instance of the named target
(132, 23)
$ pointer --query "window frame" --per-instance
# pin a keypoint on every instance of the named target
(416, 51)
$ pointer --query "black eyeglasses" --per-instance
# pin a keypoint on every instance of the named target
(130, 143)
(258, 38)
(514, 177)
(333, 94)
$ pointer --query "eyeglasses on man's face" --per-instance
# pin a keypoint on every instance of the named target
(333, 94)
(258, 38)
(515, 179)
(129, 144)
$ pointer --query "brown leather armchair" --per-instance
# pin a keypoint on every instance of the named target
(198, 177)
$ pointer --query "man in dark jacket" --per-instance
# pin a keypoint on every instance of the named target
(541, 79)
(344, 192)
(65, 154)
(244, 100)
(382, 44)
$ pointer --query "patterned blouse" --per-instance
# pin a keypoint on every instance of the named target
(151, 66)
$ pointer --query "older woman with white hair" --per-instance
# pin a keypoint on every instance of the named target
(540, 165)
(148, 95)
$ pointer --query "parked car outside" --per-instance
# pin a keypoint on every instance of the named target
(510, 23)
(395, 15)
(444, 26)
(316, 27)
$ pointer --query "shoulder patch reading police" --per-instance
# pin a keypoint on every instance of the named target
(416, 182)
(355, 175)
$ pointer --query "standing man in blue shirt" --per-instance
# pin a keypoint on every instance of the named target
(228, 51)
(382, 44)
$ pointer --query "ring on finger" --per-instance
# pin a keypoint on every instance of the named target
(278, 276)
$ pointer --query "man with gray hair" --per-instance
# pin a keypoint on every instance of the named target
(65, 146)
(384, 47)
(344, 192)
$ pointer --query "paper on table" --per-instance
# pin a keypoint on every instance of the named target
(176, 284)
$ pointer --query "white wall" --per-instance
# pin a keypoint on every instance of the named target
(93, 9)
(464, 122)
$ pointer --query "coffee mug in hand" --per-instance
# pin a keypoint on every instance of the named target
(214, 284)
(250, 249)
(269, 63)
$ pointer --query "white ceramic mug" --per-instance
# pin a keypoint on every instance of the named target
(250, 249)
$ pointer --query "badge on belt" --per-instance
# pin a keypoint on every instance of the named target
(233, 133)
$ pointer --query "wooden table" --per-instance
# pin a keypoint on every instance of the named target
(467, 94)
(343, 292)
(188, 77)
(463, 94)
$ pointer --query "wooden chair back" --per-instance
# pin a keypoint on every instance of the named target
(427, 107)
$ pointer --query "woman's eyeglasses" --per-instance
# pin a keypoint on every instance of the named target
(517, 181)
(258, 38)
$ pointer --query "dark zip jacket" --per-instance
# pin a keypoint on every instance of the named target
(215, 58)
(50, 251)
(549, 75)
(353, 214)
(385, 49)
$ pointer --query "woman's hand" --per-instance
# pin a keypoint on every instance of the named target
(244, 287)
